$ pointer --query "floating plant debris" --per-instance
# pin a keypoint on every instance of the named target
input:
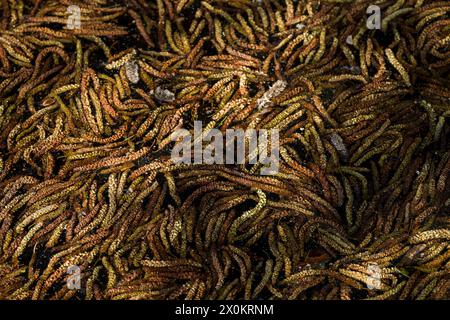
(93, 207)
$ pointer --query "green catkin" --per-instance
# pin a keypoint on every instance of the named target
(88, 178)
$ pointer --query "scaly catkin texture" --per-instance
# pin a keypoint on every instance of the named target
(358, 210)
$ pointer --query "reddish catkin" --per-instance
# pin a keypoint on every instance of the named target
(97, 98)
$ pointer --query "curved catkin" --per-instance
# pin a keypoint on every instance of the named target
(397, 65)
(23, 243)
(93, 108)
